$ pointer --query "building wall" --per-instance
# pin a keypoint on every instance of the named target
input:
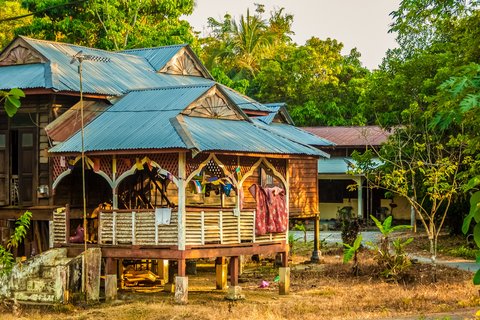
(303, 187)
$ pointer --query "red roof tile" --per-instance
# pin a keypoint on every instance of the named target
(351, 136)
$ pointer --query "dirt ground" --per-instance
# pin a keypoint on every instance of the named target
(318, 291)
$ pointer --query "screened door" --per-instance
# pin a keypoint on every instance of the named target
(26, 166)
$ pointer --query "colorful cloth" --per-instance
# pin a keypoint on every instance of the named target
(271, 210)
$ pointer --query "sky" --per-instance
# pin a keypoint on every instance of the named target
(362, 24)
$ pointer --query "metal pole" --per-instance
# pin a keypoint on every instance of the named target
(83, 158)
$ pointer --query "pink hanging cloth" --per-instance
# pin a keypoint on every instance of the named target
(277, 215)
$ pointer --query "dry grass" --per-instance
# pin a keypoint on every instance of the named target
(325, 291)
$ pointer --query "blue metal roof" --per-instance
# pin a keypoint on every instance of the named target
(244, 102)
(122, 73)
(291, 132)
(143, 120)
(157, 57)
(24, 76)
(340, 165)
(241, 136)
(140, 120)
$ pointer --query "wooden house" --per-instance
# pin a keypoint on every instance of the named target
(175, 165)
(334, 178)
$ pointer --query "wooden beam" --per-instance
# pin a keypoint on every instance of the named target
(182, 219)
(234, 270)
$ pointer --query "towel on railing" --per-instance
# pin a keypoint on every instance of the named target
(163, 215)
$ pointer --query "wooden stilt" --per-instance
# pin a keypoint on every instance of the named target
(221, 271)
(182, 265)
(284, 283)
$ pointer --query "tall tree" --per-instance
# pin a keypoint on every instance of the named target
(11, 9)
(111, 24)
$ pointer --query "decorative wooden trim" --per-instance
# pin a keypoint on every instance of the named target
(184, 63)
(214, 105)
(20, 52)
(182, 218)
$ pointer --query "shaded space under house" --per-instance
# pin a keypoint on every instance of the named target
(177, 167)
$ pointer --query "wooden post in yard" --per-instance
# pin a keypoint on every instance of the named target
(221, 271)
(284, 273)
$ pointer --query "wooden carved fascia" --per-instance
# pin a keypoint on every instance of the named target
(214, 105)
(20, 52)
(184, 63)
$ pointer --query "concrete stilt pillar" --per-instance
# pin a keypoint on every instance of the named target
(181, 290)
(92, 262)
(221, 272)
(284, 283)
(110, 279)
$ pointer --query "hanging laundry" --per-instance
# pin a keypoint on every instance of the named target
(271, 211)
(227, 188)
(277, 215)
(96, 164)
(197, 186)
(163, 215)
(261, 209)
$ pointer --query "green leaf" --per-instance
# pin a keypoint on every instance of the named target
(387, 224)
(10, 108)
(14, 101)
(400, 227)
(474, 212)
(358, 242)
(377, 223)
(16, 93)
(476, 234)
(472, 183)
(476, 278)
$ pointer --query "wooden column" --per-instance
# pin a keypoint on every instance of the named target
(162, 267)
(181, 200)
(92, 261)
(182, 264)
(360, 198)
(316, 253)
(221, 271)
(234, 290)
(110, 279)
(234, 270)
(67, 223)
(284, 283)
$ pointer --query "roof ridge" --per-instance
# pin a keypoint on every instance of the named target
(67, 44)
(209, 85)
(154, 48)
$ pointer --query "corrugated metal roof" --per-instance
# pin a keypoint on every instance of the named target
(340, 165)
(70, 121)
(140, 120)
(241, 136)
(25, 76)
(143, 120)
(244, 102)
(352, 136)
(157, 57)
(278, 108)
(122, 73)
(291, 132)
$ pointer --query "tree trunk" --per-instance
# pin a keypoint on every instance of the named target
(433, 257)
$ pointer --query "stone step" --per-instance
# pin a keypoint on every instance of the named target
(40, 285)
(38, 297)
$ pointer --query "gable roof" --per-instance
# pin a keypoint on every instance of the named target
(115, 74)
(278, 111)
(351, 136)
(175, 59)
(152, 119)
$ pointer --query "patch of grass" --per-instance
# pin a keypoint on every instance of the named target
(463, 252)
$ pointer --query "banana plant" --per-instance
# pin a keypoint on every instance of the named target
(350, 251)
(386, 229)
(474, 214)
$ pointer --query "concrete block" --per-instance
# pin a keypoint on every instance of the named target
(181, 290)
(234, 293)
(110, 287)
(91, 273)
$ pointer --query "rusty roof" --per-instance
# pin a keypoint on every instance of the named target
(351, 136)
